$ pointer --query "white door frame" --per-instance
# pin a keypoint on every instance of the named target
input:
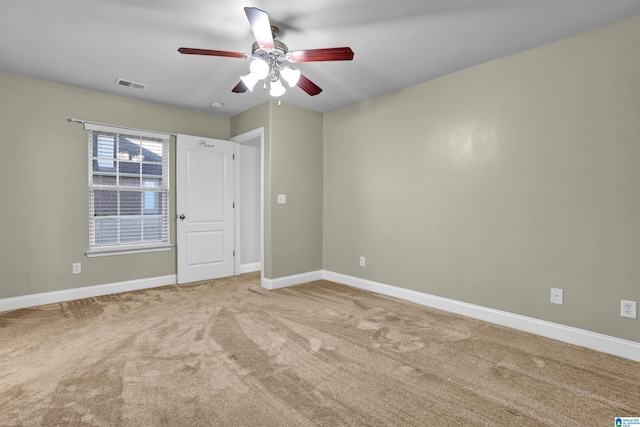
(239, 139)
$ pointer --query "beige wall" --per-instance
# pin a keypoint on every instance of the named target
(496, 183)
(43, 183)
(296, 170)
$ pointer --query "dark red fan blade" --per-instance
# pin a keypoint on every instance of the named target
(191, 51)
(328, 54)
(261, 27)
(240, 88)
(308, 86)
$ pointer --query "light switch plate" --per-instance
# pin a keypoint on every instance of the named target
(282, 199)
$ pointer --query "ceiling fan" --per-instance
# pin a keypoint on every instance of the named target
(269, 58)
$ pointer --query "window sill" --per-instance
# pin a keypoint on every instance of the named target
(133, 249)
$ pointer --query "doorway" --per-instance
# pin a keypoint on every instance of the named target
(250, 197)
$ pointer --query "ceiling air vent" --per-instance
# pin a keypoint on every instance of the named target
(129, 83)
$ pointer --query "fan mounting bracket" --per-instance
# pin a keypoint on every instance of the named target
(275, 31)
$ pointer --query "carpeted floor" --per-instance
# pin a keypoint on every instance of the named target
(229, 353)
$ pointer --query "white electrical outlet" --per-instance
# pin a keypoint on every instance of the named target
(282, 199)
(557, 296)
(362, 261)
(76, 268)
(629, 309)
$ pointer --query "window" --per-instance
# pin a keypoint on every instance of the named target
(128, 190)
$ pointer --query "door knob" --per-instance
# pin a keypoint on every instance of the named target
(182, 216)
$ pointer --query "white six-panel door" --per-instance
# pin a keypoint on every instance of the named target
(204, 206)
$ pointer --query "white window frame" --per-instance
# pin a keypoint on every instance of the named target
(126, 247)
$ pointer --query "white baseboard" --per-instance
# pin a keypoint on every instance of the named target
(593, 340)
(250, 268)
(33, 300)
(296, 279)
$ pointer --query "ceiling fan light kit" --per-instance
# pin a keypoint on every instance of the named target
(277, 89)
(290, 75)
(258, 70)
(270, 55)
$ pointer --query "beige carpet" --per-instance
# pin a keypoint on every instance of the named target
(229, 353)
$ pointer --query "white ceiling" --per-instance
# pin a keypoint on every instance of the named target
(399, 43)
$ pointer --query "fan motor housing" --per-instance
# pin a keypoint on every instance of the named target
(280, 50)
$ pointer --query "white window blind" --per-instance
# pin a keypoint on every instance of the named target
(128, 190)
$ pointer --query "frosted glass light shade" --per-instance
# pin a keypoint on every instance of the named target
(277, 89)
(259, 68)
(249, 80)
(290, 75)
